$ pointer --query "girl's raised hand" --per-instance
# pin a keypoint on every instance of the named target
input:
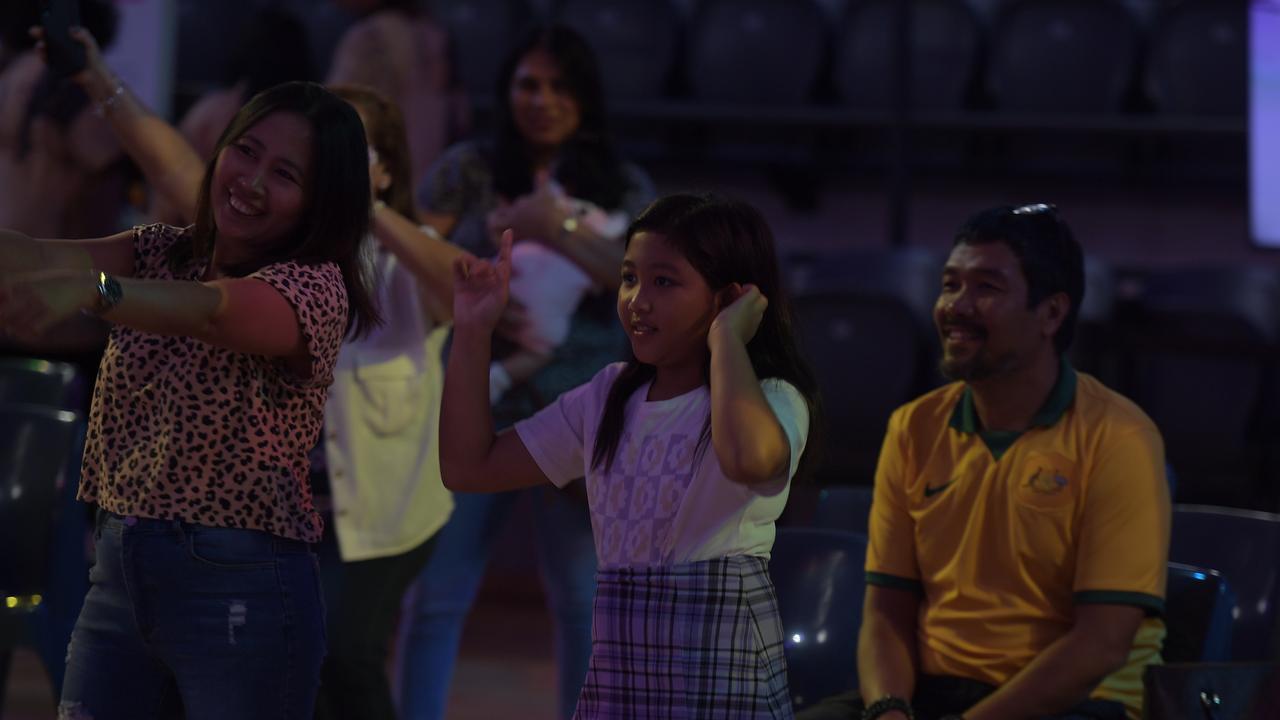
(481, 287)
(742, 309)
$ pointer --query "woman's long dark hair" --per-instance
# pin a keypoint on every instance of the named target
(726, 241)
(336, 220)
(587, 165)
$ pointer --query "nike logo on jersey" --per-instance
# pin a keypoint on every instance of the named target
(934, 490)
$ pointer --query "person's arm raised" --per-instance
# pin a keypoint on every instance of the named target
(749, 442)
(472, 457)
(425, 253)
(166, 159)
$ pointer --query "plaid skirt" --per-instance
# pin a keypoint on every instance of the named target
(696, 641)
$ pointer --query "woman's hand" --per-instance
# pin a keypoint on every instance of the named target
(742, 309)
(31, 303)
(481, 288)
(540, 215)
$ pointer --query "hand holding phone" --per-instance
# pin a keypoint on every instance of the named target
(64, 54)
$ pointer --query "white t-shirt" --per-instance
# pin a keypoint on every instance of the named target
(665, 500)
(550, 286)
(381, 422)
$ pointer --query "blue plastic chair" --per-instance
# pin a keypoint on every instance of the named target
(1197, 61)
(43, 572)
(1244, 546)
(1218, 325)
(844, 507)
(1198, 603)
(945, 43)
(758, 52)
(31, 381)
(866, 357)
(864, 319)
(480, 33)
(819, 578)
(635, 42)
(1054, 56)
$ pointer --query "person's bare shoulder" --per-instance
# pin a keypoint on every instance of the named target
(17, 82)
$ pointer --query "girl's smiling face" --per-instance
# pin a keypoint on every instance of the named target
(665, 305)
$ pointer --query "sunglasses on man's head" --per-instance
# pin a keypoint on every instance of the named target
(1035, 209)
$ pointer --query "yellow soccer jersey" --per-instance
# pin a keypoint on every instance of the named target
(1004, 533)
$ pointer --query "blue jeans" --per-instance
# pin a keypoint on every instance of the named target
(214, 622)
(447, 586)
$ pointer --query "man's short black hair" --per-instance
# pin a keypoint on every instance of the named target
(1051, 259)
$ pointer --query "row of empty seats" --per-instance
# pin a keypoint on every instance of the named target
(1038, 56)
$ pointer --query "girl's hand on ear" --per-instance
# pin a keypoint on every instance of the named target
(742, 309)
(481, 287)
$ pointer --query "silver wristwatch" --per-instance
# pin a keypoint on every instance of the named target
(109, 295)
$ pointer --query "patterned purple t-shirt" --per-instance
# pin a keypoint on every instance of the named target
(664, 500)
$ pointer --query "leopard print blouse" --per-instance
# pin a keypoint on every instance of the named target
(182, 429)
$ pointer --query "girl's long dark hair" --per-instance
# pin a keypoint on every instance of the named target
(334, 225)
(588, 164)
(726, 241)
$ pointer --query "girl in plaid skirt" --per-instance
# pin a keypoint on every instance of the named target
(688, 451)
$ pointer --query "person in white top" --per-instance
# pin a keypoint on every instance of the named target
(688, 451)
(380, 453)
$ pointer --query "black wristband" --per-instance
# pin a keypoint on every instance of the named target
(886, 704)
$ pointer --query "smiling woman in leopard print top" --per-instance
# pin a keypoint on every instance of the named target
(210, 394)
(182, 428)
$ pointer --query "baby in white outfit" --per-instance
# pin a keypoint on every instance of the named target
(550, 286)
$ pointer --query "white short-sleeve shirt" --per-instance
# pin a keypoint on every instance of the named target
(664, 500)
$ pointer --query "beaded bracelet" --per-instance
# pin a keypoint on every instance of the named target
(887, 704)
(108, 103)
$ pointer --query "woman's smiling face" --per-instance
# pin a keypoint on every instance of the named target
(259, 188)
(545, 111)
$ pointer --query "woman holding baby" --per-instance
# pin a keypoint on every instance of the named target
(552, 174)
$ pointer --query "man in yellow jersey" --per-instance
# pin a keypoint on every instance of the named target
(1020, 524)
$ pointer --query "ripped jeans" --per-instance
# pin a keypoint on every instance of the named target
(186, 620)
